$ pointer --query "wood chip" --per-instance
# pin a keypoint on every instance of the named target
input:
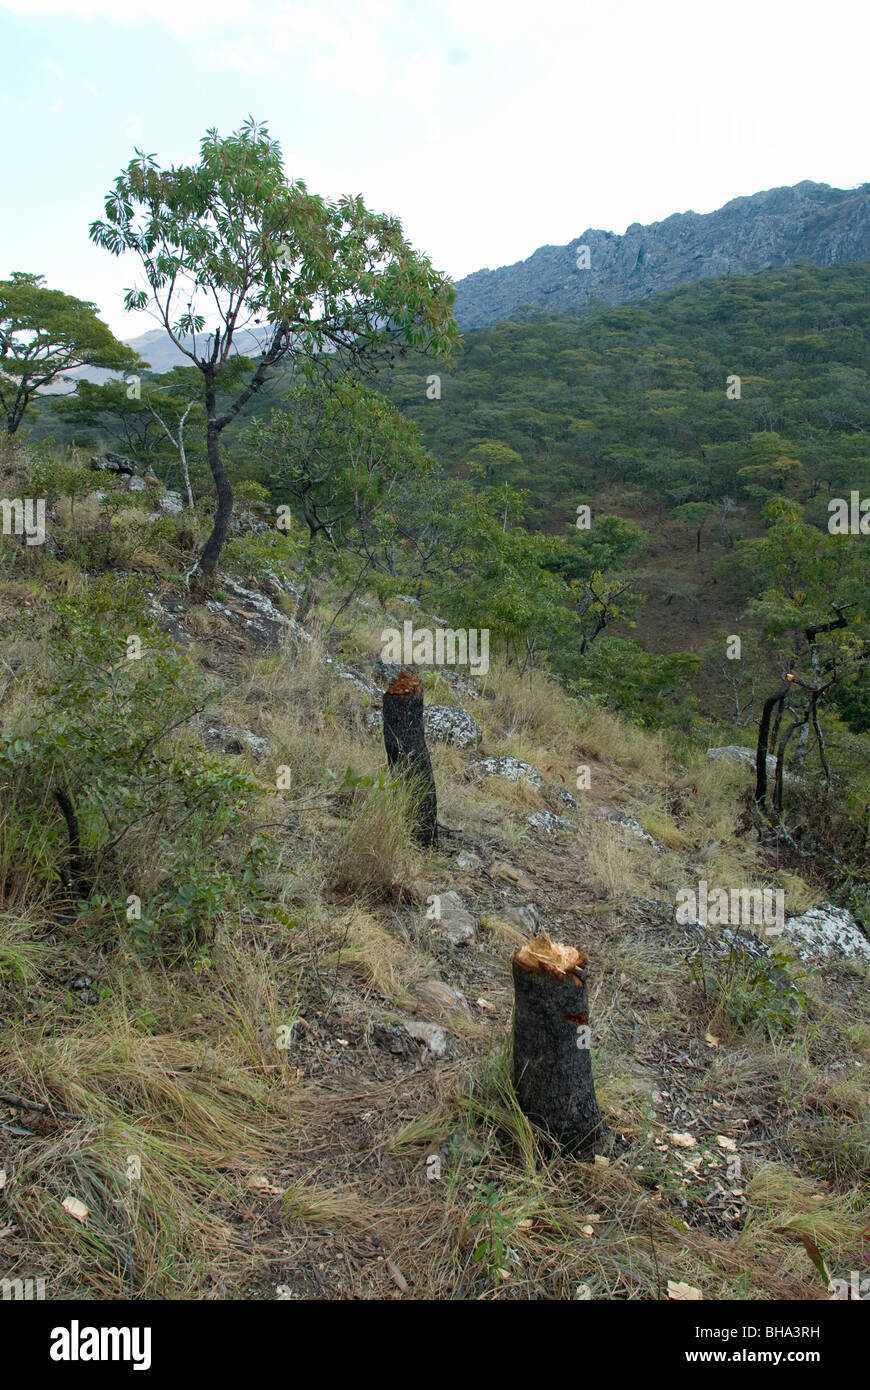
(683, 1141)
(257, 1183)
(684, 1292)
(725, 1143)
(75, 1209)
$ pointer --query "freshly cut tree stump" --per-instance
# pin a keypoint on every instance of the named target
(407, 754)
(552, 1065)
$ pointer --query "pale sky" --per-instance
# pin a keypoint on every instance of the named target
(490, 127)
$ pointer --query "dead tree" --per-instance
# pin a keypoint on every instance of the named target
(407, 754)
(774, 701)
(74, 874)
(552, 1064)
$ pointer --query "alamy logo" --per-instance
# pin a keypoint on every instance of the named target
(75, 1343)
(22, 1290)
(850, 518)
(420, 646)
(741, 907)
(854, 1288)
(24, 517)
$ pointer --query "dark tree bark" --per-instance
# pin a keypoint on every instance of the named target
(761, 746)
(552, 1064)
(75, 875)
(780, 762)
(223, 513)
(407, 753)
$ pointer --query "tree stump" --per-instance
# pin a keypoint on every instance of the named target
(407, 754)
(552, 1065)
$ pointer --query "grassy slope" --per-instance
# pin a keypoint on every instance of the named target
(301, 1171)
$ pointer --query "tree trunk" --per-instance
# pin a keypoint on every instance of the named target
(215, 543)
(407, 753)
(761, 746)
(552, 1064)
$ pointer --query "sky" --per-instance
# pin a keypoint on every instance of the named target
(489, 127)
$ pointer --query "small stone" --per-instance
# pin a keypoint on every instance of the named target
(508, 874)
(460, 1146)
(466, 860)
(442, 995)
(456, 923)
(526, 916)
(432, 1034)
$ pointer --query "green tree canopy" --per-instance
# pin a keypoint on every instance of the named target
(230, 242)
(44, 333)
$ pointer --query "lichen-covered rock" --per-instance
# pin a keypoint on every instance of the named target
(385, 672)
(827, 931)
(442, 724)
(236, 740)
(734, 753)
(264, 623)
(171, 503)
(450, 724)
(511, 768)
(454, 922)
(550, 824)
(635, 828)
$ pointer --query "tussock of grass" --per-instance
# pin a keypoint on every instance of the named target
(189, 1120)
(376, 855)
(611, 860)
(606, 736)
(374, 956)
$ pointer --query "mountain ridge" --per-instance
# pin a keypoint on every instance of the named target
(802, 223)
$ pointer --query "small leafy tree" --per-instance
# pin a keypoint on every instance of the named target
(338, 453)
(158, 423)
(97, 790)
(697, 515)
(814, 608)
(230, 241)
(44, 333)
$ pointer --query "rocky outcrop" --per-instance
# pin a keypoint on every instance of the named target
(809, 223)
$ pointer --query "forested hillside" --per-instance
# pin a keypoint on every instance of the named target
(381, 717)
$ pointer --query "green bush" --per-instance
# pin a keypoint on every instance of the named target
(142, 813)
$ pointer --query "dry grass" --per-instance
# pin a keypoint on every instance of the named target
(615, 866)
(378, 961)
(531, 706)
(376, 856)
(608, 737)
(260, 1161)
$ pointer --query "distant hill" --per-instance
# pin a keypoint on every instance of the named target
(158, 350)
(810, 223)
